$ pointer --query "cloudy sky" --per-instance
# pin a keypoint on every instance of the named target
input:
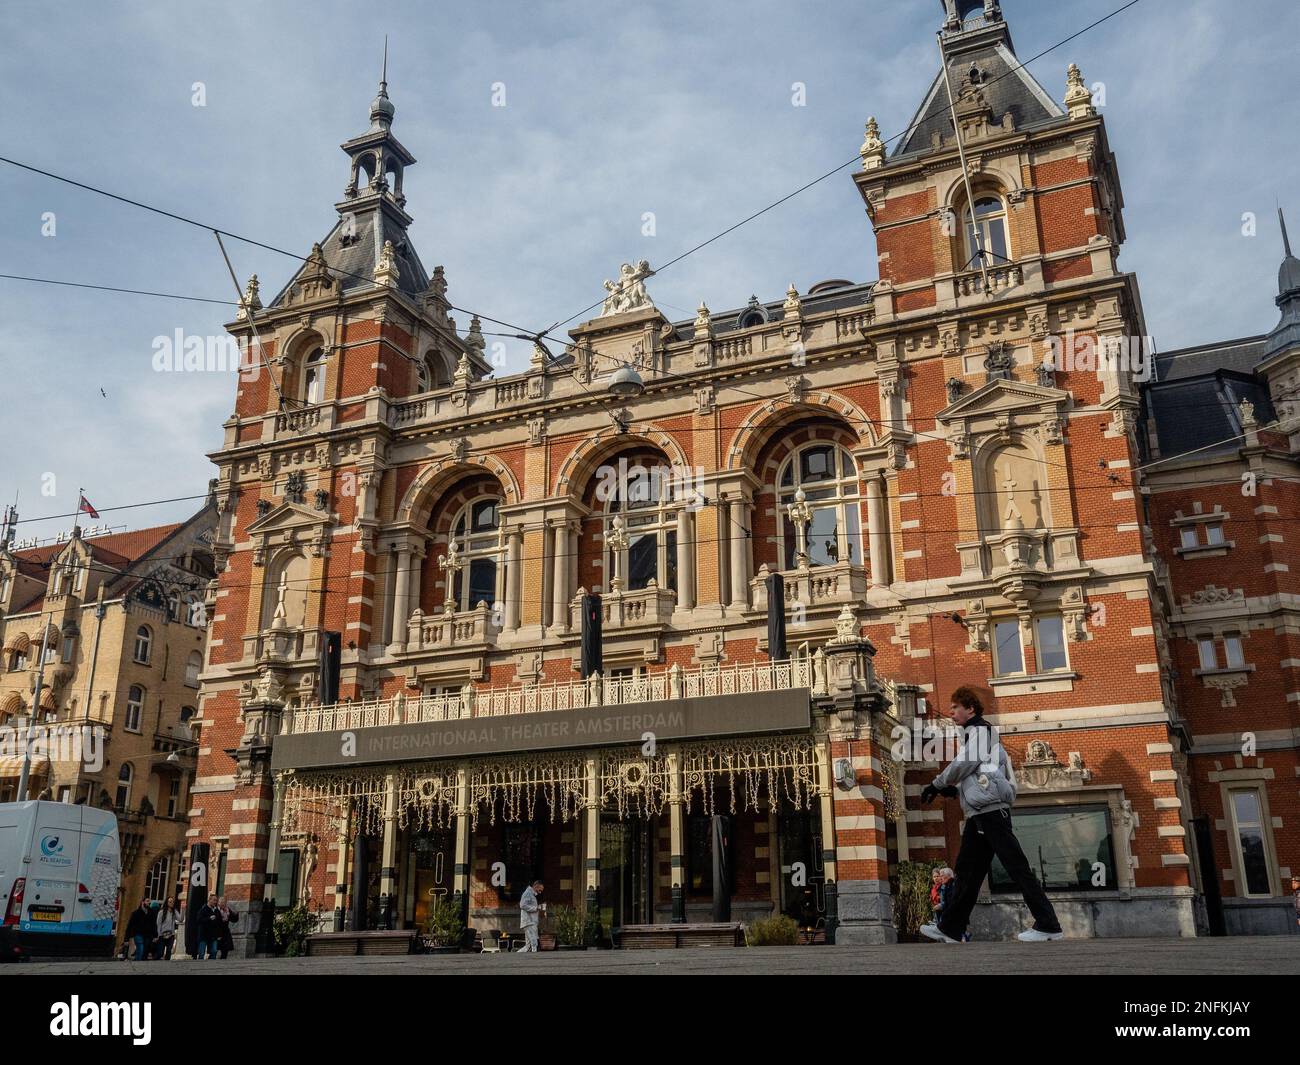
(683, 109)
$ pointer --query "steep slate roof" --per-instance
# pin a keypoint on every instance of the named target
(1007, 86)
(353, 264)
(1194, 399)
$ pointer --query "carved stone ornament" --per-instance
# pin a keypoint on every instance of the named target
(1042, 771)
(628, 293)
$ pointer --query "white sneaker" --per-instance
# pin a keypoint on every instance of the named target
(1033, 935)
(932, 931)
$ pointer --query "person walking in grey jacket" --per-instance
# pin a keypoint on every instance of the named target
(982, 779)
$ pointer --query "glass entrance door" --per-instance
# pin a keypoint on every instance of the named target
(626, 872)
(431, 864)
(803, 878)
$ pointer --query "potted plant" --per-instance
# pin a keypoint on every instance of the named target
(445, 927)
(567, 926)
(291, 930)
(912, 899)
(779, 930)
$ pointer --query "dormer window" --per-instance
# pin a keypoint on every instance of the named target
(986, 233)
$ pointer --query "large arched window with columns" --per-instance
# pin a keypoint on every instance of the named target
(825, 477)
(476, 532)
(642, 507)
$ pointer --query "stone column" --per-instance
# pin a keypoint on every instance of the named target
(563, 567)
(388, 854)
(460, 862)
(677, 836)
(341, 870)
(592, 849)
(685, 560)
(826, 796)
(738, 552)
(401, 599)
(390, 598)
(266, 934)
(514, 554)
(877, 532)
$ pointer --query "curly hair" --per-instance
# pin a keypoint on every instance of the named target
(969, 698)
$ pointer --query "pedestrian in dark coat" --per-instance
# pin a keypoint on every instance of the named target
(228, 917)
(142, 929)
(209, 920)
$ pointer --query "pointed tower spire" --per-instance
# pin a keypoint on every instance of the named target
(381, 108)
(1286, 240)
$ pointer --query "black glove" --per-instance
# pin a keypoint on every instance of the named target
(928, 794)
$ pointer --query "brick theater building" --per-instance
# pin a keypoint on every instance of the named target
(941, 467)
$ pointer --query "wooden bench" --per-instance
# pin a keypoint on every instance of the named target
(350, 944)
(672, 936)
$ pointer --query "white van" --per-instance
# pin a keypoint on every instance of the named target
(60, 870)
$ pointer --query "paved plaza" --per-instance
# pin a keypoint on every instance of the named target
(1235, 956)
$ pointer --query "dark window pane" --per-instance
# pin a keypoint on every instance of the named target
(1065, 847)
(699, 855)
(823, 544)
(286, 878)
(485, 515)
(789, 541)
(482, 581)
(817, 464)
(642, 560)
(1255, 859)
(671, 548)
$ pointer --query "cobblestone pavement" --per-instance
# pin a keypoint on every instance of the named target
(1238, 955)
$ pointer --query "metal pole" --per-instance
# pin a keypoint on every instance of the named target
(961, 153)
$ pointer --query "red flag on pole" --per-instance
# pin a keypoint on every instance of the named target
(84, 507)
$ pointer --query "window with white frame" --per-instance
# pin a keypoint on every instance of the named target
(1207, 651)
(143, 645)
(1049, 643)
(1250, 841)
(476, 531)
(645, 503)
(1214, 533)
(134, 708)
(313, 377)
(828, 478)
(69, 648)
(986, 233)
(1008, 652)
(157, 885)
(1188, 537)
(193, 667)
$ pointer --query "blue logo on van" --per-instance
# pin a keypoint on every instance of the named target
(51, 845)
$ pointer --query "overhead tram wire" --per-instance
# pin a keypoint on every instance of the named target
(222, 232)
(831, 173)
(111, 288)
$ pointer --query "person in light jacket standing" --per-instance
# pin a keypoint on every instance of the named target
(982, 778)
(529, 913)
(167, 924)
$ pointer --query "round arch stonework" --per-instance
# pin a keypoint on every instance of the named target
(755, 430)
(437, 477)
(583, 461)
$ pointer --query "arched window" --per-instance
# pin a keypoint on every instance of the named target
(193, 667)
(986, 233)
(422, 377)
(157, 884)
(644, 500)
(313, 376)
(174, 605)
(124, 778)
(828, 478)
(1012, 490)
(476, 531)
(143, 645)
(134, 708)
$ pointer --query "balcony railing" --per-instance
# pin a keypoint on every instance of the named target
(815, 586)
(651, 605)
(490, 701)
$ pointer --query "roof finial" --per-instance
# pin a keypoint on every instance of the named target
(381, 108)
(1286, 240)
(383, 74)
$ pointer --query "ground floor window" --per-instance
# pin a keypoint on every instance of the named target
(286, 878)
(1250, 841)
(1069, 848)
(522, 850)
